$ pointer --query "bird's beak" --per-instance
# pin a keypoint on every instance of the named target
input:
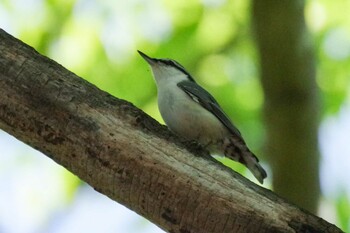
(148, 59)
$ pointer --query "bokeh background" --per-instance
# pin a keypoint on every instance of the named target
(214, 40)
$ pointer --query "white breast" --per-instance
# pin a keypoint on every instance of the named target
(187, 118)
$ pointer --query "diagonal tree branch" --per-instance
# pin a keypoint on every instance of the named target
(126, 155)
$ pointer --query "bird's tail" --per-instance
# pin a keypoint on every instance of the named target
(252, 163)
(239, 152)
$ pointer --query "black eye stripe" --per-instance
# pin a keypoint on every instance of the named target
(177, 65)
(171, 63)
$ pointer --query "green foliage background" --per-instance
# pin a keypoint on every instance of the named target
(213, 39)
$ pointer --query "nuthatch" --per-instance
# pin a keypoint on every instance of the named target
(191, 112)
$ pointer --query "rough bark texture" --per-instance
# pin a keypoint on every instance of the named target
(126, 155)
(291, 99)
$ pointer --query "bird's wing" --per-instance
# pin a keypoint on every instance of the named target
(202, 97)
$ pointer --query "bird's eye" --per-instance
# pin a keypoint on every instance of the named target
(174, 63)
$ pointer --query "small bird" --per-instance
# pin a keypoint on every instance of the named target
(191, 112)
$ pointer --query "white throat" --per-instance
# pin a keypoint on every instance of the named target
(165, 75)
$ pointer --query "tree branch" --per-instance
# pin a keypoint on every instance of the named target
(126, 155)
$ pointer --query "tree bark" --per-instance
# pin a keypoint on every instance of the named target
(126, 155)
(291, 99)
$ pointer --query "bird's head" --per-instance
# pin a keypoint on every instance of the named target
(167, 69)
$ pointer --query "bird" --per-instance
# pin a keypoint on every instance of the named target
(192, 112)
